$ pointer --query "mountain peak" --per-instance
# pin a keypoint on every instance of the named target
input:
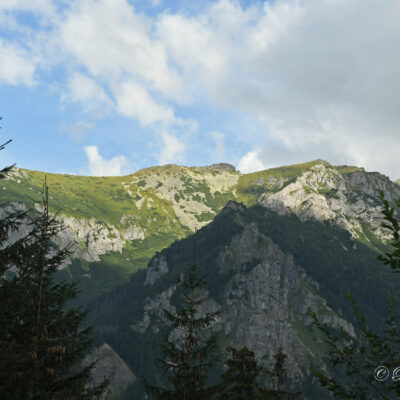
(220, 167)
(233, 205)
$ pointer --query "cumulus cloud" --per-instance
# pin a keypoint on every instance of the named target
(250, 162)
(85, 90)
(112, 41)
(134, 101)
(98, 166)
(16, 66)
(321, 76)
(172, 150)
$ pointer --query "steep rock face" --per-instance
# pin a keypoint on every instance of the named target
(263, 303)
(91, 238)
(156, 268)
(323, 193)
(87, 239)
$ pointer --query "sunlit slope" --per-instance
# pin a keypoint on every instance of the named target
(119, 223)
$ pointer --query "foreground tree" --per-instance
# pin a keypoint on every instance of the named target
(278, 376)
(189, 358)
(368, 364)
(240, 381)
(41, 343)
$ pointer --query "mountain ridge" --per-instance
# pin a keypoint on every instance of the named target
(118, 223)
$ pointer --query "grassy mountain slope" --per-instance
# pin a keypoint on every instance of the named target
(118, 223)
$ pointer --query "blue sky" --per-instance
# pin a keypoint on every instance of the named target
(107, 87)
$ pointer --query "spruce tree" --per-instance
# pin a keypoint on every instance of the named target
(187, 361)
(240, 380)
(42, 345)
(278, 376)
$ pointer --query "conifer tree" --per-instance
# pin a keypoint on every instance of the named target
(278, 376)
(240, 380)
(41, 342)
(188, 360)
(8, 224)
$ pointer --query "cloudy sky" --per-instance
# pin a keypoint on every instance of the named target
(106, 87)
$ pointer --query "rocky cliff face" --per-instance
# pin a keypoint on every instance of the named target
(264, 304)
(323, 193)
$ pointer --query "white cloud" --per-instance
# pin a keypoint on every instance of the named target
(134, 101)
(98, 166)
(85, 90)
(16, 66)
(42, 6)
(172, 151)
(112, 41)
(322, 76)
(250, 162)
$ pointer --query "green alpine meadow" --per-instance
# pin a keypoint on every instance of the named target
(118, 223)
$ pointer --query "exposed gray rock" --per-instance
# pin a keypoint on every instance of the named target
(267, 295)
(110, 364)
(265, 301)
(220, 167)
(153, 314)
(86, 239)
(157, 268)
(348, 200)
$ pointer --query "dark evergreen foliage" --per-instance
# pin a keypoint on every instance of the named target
(391, 258)
(190, 356)
(278, 377)
(240, 381)
(41, 343)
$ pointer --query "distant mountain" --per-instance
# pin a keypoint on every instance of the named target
(118, 223)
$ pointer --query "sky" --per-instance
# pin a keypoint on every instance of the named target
(107, 87)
